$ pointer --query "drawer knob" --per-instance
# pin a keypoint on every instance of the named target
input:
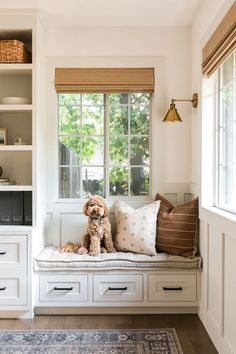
(122, 288)
(178, 288)
(2, 253)
(65, 289)
(2, 289)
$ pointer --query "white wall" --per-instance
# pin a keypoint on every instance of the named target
(217, 229)
(173, 45)
(166, 49)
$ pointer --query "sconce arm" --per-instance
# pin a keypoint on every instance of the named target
(194, 100)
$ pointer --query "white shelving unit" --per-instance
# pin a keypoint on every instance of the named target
(22, 163)
(17, 164)
(15, 160)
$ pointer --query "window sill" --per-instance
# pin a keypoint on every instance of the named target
(222, 220)
(107, 200)
(222, 213)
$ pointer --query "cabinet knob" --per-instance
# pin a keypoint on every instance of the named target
(2, 253)
(2, 289)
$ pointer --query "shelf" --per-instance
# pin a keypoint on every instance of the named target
(16, 147)
(15, 107)
(16, 69)
(15, 187)
(10, 228)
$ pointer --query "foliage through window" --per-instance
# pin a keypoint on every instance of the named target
(104, 144)
(226, 135)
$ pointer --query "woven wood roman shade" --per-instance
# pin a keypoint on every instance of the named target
(104, 80)
(221, 44)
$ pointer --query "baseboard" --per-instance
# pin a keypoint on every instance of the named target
(112, 310)
(220, 342)
(16, 314)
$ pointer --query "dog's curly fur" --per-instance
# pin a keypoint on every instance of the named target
(98, 237)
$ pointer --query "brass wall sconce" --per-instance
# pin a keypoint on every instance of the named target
(172, 115)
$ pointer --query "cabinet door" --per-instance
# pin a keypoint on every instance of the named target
(174, 287)
(13, 252)
(13, 288)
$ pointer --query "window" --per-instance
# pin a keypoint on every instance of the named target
(226, 134)
(219, 115)
(104, 144)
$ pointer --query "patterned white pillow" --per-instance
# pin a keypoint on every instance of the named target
(136, 228)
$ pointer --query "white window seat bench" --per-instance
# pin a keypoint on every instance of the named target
(120, 282)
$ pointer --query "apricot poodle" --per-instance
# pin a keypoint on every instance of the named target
(98, 237)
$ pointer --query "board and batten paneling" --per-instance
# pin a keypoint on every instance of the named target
(230, 291)
(217, 308)
(215, 268)
(66, 222)
(72, 227)
(204, 248)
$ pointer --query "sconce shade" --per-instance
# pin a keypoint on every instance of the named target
(172, 115)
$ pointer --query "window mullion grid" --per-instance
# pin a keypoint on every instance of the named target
(223, 167)
(59, 183)
(129, 145)
(71, 172)
(234, 129)
(81, 145)
(217, 142)
(107, 147)
(107, 165)
(150, 146)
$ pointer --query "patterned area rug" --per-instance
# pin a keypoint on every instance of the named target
(137, 341)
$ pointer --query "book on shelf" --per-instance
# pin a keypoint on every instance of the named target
(17, 208)
(27, 208)
(5, 208)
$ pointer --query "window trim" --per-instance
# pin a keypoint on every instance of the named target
(51, 149)
(216, 177)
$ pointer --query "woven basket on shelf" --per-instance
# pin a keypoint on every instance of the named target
(14, 51)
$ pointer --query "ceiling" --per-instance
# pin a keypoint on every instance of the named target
(111, 13)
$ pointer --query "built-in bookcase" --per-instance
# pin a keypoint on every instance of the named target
(22, 163)
(16, 80)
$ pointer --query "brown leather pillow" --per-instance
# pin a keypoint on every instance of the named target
(177, 227)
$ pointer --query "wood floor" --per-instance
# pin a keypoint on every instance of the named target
(192, 334)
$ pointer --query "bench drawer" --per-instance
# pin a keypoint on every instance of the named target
(63, 288)
(172, 287)
(13, 288)
(117, 287)
(13, 252)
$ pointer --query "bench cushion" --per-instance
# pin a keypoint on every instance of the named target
(52, 260)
